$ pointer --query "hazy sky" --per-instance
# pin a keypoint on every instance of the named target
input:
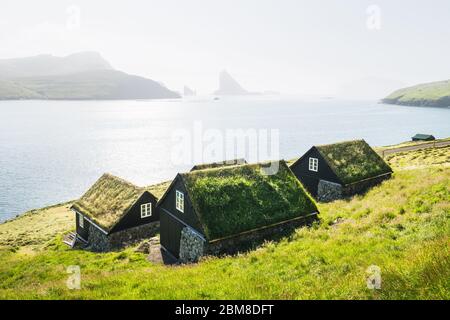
(291, 46)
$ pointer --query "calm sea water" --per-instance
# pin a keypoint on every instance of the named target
(52, 151)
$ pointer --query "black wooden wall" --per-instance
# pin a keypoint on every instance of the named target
(133, 217)
(171, 228)
(310, 179)
(82, 232)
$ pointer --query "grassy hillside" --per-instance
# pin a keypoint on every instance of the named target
(435, 94)
(46, 64)
(402, 226)
(34, 229)
(10, 90)
(98, 84)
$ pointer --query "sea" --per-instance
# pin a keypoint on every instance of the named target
(53, 151)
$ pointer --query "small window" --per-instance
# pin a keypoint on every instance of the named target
(179, 201)
(313, 164)
(146, 210)
(80, 220)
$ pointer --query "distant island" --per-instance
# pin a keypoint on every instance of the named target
(80, 76)
(228, 86)
(188, 92)
(434, 94)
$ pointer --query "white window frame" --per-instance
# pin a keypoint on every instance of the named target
(80, 220)
(146, 210)
(179, 200)
(313, 164)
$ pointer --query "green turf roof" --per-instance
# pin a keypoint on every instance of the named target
(158, 189)
(236, 199)
(219, 164)
(353, 161)
(108, 200)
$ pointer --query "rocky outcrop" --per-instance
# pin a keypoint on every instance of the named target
(146, 246)
(229, 86)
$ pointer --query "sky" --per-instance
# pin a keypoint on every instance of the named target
(290, 46)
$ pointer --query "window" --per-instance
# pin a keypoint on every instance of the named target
(313, 164)
(80, 220)
(179, 201)
(146, 210)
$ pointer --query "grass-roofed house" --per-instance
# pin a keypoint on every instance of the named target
(219, 164)
(228, 209)
(338, 170)
(113, 213)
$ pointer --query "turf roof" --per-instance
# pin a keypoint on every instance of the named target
(231, 200)
(108, 200)
(353, 161)
(159, 189)
(219, 164)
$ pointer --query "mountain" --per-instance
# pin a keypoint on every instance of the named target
(47, 65)
(188, 91)
(369, 88)
(229, 86)
(434, 94)
(82, 76)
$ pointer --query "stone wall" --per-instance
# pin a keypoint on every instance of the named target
(100, 242)
(247, 241)
(191, 246)
(133, 235)
(97, 241)
(329, 191)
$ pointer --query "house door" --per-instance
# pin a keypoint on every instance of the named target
(82, 227)
(170, 234)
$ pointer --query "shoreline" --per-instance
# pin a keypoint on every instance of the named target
(159, 187)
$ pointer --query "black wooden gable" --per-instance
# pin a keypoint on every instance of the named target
(310, 179)
(167, 204)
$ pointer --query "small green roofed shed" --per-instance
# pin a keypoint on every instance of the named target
(423, 137)
(220, 164)
(353, 161)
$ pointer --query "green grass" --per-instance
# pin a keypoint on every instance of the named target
(420, 158)
(402, 226)
(34, 229)
(436, 94)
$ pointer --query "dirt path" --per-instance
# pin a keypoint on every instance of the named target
(431, 144)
